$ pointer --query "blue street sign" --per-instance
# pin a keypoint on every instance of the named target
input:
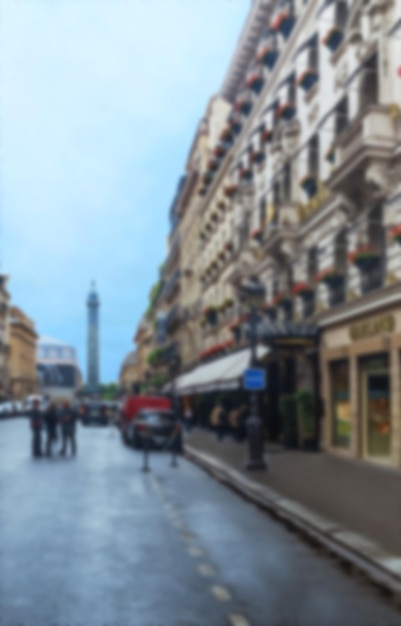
(254, 379)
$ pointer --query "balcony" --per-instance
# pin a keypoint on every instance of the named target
(173, 319)
(362, 154)
(172, 286)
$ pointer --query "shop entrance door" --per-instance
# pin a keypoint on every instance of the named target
(377, 415)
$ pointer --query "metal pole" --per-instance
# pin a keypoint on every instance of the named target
(145, 467)
(173, 389)
(254, 425)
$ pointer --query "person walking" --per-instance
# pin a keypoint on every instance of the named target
(51, 423)
(188, 418)
(68, 421)
(36, 420)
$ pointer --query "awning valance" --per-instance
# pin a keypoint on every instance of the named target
(220, 375)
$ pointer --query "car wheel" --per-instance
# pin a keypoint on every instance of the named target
(137, 443)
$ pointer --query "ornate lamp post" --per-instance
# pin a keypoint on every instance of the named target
(253, 294)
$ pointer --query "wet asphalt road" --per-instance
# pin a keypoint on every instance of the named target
(93, 541)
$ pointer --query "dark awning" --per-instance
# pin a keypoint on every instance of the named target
(286, 333)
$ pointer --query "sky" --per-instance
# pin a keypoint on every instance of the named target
(100, 100)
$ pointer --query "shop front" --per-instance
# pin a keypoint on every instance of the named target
(361, 386)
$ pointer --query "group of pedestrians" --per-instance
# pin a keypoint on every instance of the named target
(50, 422)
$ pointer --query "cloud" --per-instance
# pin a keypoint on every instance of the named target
(100, 101)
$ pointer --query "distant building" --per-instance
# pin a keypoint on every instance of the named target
(22, 361)
(93, 305)
(4, 338)
(57, 369)
(129, 372)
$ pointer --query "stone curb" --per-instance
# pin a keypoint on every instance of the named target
(358, 552)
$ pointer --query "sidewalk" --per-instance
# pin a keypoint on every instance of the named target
(356, 496)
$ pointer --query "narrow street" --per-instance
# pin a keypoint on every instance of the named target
(94, 541)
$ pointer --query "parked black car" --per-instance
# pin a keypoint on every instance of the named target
(161, 426)
(94, 412)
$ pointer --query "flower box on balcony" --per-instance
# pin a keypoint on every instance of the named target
(267, 55)
(330, 277)
(395, 234)
(228, 303)
(229, 245)
(220, 150)
(213, 165)
(214, 217)
(266, 135)
(269, 308)
(307, 79)
(333, 38)
(231, 190)
(202, 191)
(330, 154)
(258, 156)
(302, 289)
(221, 205)
(282, 299)
(283, 23)
(244, 105)
(226, 135)
(245, 173)
(257, 234)
(255, 81)
(364, 258)
(202, 236)
(285, 111)
(309, 185)
(235, 124)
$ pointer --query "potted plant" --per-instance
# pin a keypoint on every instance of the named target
(302, 289)
(207, 177)
(257, 156)
(266, 135)
(219, 150)
(257, 234)
(330, 277)
(243, 105)
(230, 190)
(283, 23)
(306, 420)
(395, 234)
(282, 299)
(254, 81)
(288, 409)
(213, 165)
(309, 185)
(267, 55)
(245, 173)
(307, 79)
(285, 111)
(333, 38)
(364, 258)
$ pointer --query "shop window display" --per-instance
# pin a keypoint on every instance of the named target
(340, 402)
(377, 415)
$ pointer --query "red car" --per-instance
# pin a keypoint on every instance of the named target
(133, 404)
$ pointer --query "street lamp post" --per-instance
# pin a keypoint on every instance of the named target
(174, 365)
(253, 293)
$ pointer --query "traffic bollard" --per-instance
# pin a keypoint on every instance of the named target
(174, 462)
(145, 467)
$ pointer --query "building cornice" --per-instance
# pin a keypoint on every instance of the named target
(380, 299)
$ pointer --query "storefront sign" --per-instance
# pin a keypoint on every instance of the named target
(371, 328)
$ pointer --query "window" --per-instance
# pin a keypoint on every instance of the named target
(341, 117)
(287, 195)
(372, 275)
(292, 90)
(337, 289)
(262, 212)
(341, 13)
(313, 60)
(313, 156)
(309, 301)
(276, 194)
(369, 84)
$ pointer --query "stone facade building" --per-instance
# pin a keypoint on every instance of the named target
(302, 188)
(4, 338)
(22, 363)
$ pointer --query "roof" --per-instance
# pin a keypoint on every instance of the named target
(130, 359)
(50, 341)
